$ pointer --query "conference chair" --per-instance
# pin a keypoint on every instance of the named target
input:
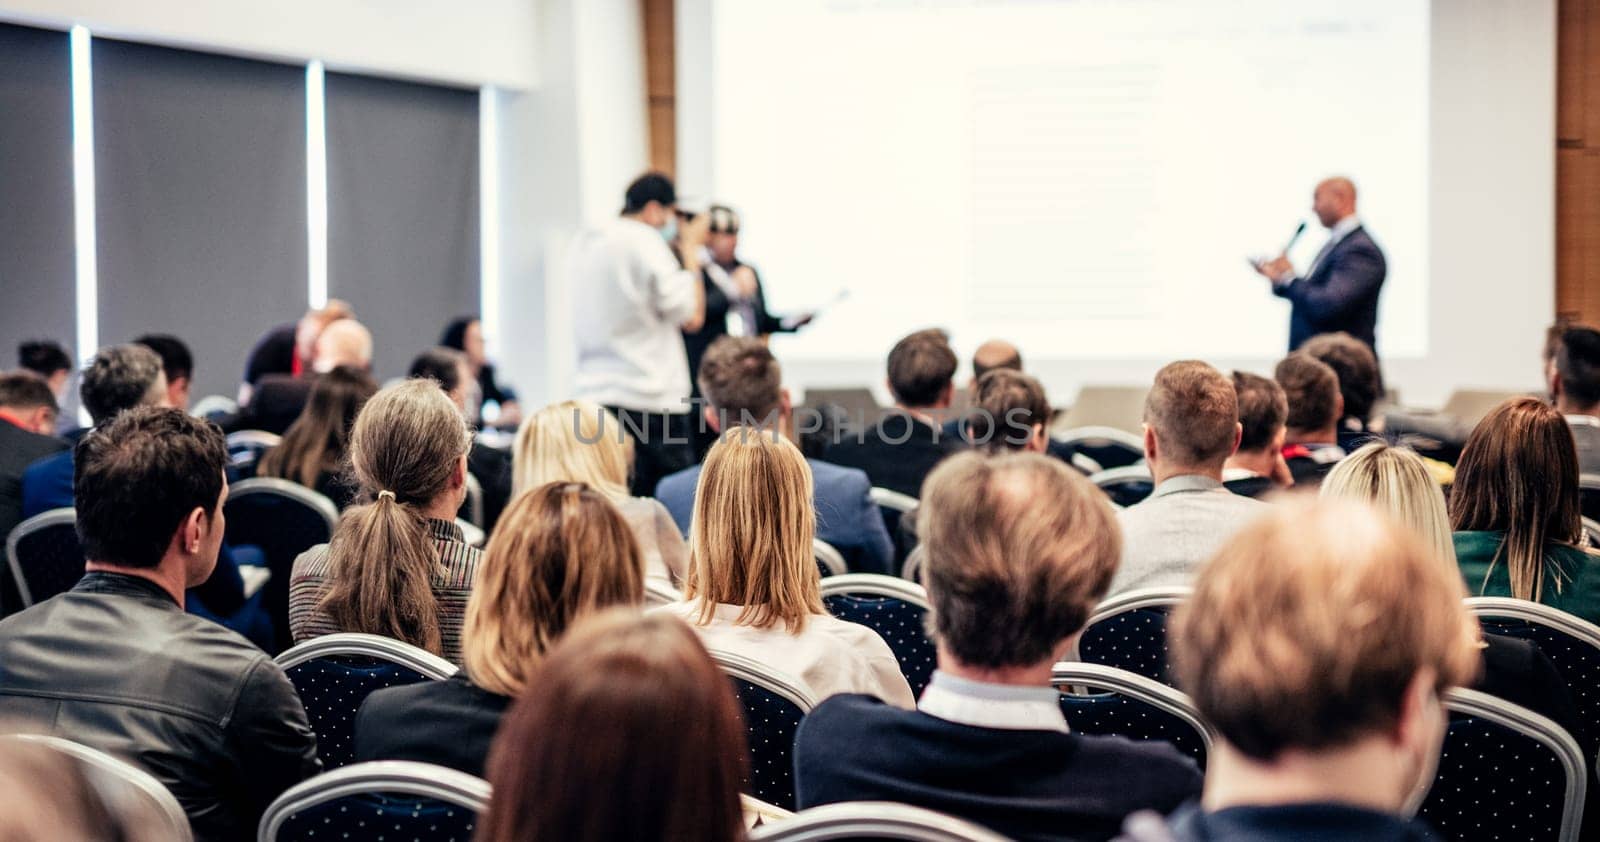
(44, 556)
(1109, 447)
(894, 608)
(214, 407)
(891, 504)
(283, 519)
(335, 673)
(1591, 531)
(1505, 772)
(774, 703)
(245, 449)
(758, 812)
(1469, 406)
(123, 786)
(830, 562)
(1119, 407)
(872, 820)
(1254, 486)
(1126, 486)
(1571, 643)
(912, 570)
(1129, 632)
(384, 799)
(1103, 700)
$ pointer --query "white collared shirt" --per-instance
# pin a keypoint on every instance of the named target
(1006, 707)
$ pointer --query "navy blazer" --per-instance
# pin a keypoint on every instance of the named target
(1340, 294)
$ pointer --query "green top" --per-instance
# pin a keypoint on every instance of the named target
(1571, 581)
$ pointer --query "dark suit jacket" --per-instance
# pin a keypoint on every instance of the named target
(897, 453)
(1341, 293)
(19, 448)
(277, 401)
(448, 723)
(716, 324)
(492, 468)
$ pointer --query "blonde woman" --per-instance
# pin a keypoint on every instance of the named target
(560, 553)
(398, 565)
(578, 441)
(753, 584)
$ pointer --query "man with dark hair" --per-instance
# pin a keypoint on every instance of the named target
(177, 364)
(48, 360)
(900, 450)
(115, 663)
(1019, 549)
(1360, 382)
(27, 417)
(1257, 466)
(1311, 440)
(743, 387)
(1574, 382)
(491, 467)
(1191, 427)
(632, 301)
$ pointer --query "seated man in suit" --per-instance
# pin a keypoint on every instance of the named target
(1311, 440)
(1574, 381)
(115, 663)
(903, 447)
(1019, 549)
(1257, 466)
(27, 420)
(742, 384)
(1191, 427)
(1318, 643)
(278, 399)
(1360, 383)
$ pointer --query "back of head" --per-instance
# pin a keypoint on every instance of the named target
(121, 377)
(24, 391)
(137, 477)
(1518, 474)
(572, 441)
(43, 357)
(442, 365)
(1019, 549)
(1308, 627)
(742, 381)
(406, 445)
(994, 355)
(1263, 410)
(52, 796)
(1008, 406)
(559, 553)
(633, 736)
(455, 333)
(1395, 481)
(176, 359)
(647, 188)
(1352, 361)
(318, 440)
(1577, 362)
(1195, 414)
(922, 367)
(343, 342)
(751, 532)
(1311, 389)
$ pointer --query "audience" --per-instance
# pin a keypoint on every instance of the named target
(313, 449)
(1574, 382)
(753, 586)
(27, 419)
(1000, 355)
(1011, 412)
(397, 566)
(177, 364)
(466, 335)
(1515, 511)
(290, 348)
(1317, 644)
(1360, 382)
(901, 448)
(1191, 427)
(116, 663)
(633, 736)
(48, 360)
(1311, 440)
(1019, 548)
(742, 385)
(491, 466)
(278, 399)
(561, 553)
(1258, 466)
(577, 441)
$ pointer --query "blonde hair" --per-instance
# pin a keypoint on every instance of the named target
(559, 553)
(406, 444)
(752, 530)
(1396, 481)
(572, 441)
(1307, 627)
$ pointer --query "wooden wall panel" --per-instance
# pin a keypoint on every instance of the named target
(1578, 161)
(660, 63)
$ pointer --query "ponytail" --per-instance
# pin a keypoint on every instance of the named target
(382, 564)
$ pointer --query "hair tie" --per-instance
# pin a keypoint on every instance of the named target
(386, 493)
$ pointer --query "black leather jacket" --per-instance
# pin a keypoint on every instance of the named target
(116, 664)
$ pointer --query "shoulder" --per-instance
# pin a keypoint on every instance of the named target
(1166, 773)
(390, 704)
(847, 713)
(853, 635)
(51, 464)
(839, 475)
(678, 482)
(312, 563)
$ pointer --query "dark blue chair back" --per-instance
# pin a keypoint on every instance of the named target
(900, 619)
(1570, 643)
(380, 800)
(1250, 486)
(773, 707)
(44, 558)
(1126, 486)
(1134, 640)
(283, 519)
(1098, 700)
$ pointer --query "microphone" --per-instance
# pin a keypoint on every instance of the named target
(1295, 237)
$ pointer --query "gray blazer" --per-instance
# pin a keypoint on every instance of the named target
(1181, 524)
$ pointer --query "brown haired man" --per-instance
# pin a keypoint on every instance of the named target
(1311, 441)
(1257, 466)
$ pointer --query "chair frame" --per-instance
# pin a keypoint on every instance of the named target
(212, 404)
(1066, 675)
(872, 819)
(177, 821)
(401, 776)
(888, 498)
(474, 501)
(830, 557)
(759, 674)
(1138, 471)
(285, 488)
(253, 438)
(1133, 600)
(1541, 729)
(1097, 432)
(369, 646)
(1591, 531)
(876, 584)
(911, 571)
(42, 520)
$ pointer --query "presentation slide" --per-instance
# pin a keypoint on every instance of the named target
(1085, 177)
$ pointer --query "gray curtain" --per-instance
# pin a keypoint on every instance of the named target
(37, 277)
(200, 170)
(402, 209)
